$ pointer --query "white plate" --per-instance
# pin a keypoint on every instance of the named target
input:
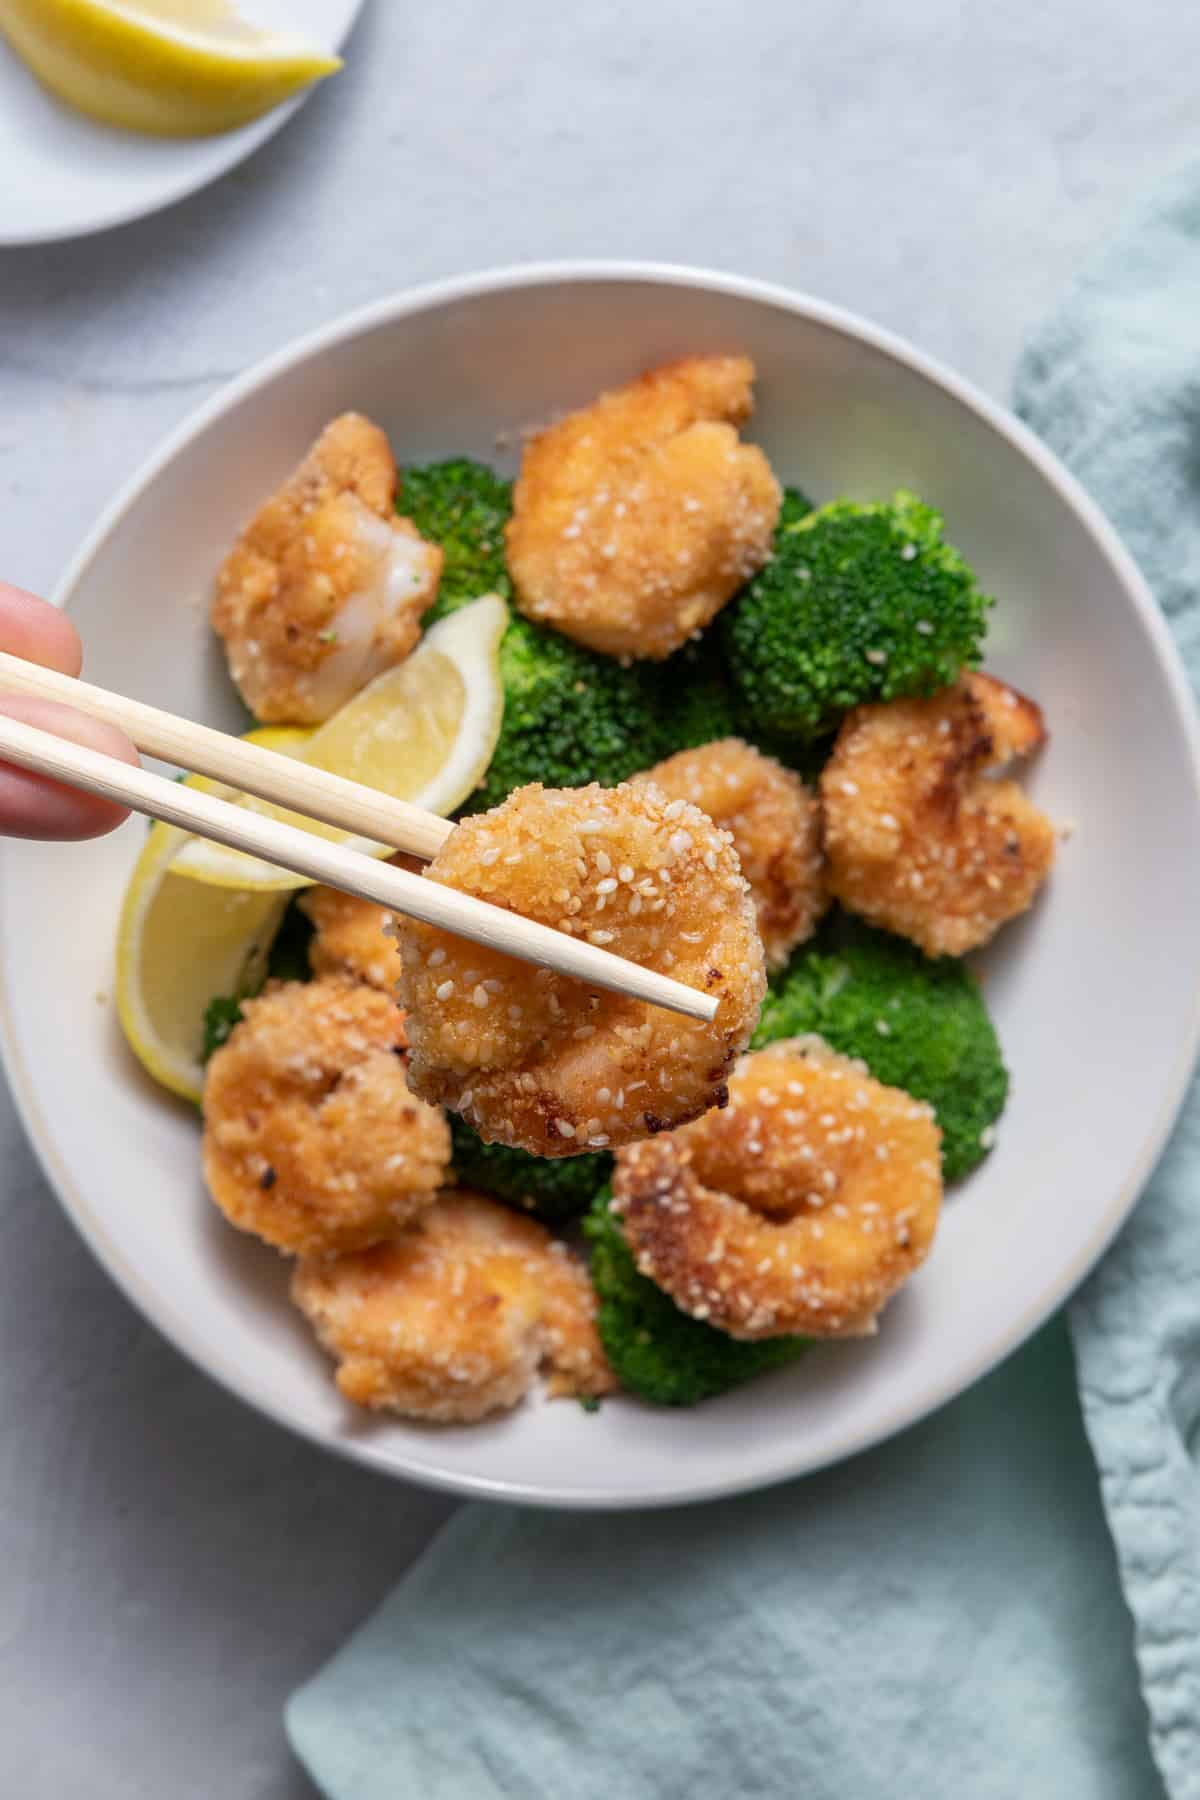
(64, 176)
(1095, 993)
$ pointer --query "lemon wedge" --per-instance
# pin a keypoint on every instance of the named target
(178, 944)
(423, 731)
(173, 68)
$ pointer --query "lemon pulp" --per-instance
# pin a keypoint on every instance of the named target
(178, 944)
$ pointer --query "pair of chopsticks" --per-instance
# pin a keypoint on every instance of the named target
(318, 795)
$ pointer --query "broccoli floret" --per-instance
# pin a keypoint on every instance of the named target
(555, 1189)
(570, 717)
(656, 1350)
(859, 602)
(919, 1025)
(464, 507)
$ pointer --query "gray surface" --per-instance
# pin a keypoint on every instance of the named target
(172, 1565)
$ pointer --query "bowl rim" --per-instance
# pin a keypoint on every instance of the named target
(393, 309)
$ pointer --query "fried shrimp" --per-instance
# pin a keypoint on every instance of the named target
(326, 586)
(775, 825)
(921, 837)
(312, 1140)
(636, 519)
(455, 1318)
(536, 1060)
(798, 1210)
(353, 937)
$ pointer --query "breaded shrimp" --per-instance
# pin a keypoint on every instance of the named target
(312, 1140)
(353, 937)
(635, 520)
(326, 586)
(799, 1210)
(775, 824)
(536, 1060)
(454, 1319)
(921, 838)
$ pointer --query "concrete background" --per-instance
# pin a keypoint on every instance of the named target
(173, 1565)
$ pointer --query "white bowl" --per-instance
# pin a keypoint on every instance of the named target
(1095, 993)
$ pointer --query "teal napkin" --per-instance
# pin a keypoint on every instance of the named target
(938, 1618)
(941, 1617)
(1113, 384)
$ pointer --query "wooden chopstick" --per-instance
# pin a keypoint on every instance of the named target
(290, 848)
(248, 767)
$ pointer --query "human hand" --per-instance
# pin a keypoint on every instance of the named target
(33, 806)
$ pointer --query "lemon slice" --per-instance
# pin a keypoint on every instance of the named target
(178, 944)
(174, 68)
(423, 731)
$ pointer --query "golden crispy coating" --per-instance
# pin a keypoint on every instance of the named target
(635, 520)
(312, 1139)
(326, 586)
(353, 937)
(921, 839)
(775, 824)
(454, 1319)
(536, 1060)
(799, 1209)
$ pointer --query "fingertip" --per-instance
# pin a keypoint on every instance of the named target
(34, 806)
(37, 631)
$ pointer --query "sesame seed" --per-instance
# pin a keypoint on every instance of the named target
(444, 991)
(480, 995)
(436, 958)
(987, 1137)
(489, 857)
(607, 886)
(908, 553)
(604, 862)
(883, 1028)
(924, 627)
